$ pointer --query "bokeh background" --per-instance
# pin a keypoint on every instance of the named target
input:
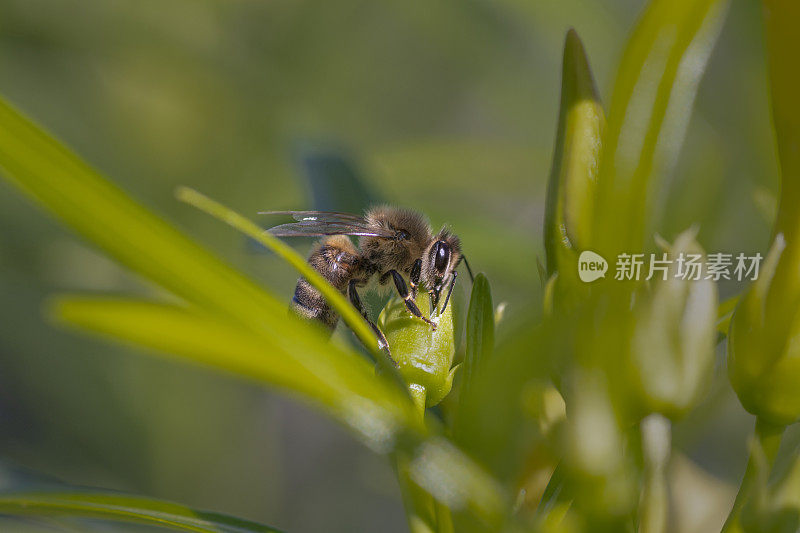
(447, 107)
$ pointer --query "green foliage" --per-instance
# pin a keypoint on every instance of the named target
(672, 348)
(584, 397)
(762, 348)
(649, 111)
(616, 363)
(230, 323)
(573, 174)
(762, 356)
(480, 330)
(774, 506)
(121, 508)
(203, 338)
(760, 363)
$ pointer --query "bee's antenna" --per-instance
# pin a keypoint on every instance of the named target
(471, 277)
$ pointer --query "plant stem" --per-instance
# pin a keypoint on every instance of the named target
(419, 505)
(419, 397)
(656, 449)
(444, 520)
(768, 436)
(424, 513)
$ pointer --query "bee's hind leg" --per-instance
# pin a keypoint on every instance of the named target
(383, 344)
(400, 284)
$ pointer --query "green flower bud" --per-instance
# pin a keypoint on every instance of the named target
(672, 348)
(763, 346)
(424, 356)
(573, 174)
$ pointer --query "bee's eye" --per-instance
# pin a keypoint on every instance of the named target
(442, 256)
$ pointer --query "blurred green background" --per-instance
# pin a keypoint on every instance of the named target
(447, 107)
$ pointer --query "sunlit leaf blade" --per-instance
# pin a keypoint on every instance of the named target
(573, 175)
(101, 212)
(783, 42)
(123, 508)
(210, 341)
(344, 386)
(192, 334)
(249, 228)
(649, 112)
(106, 216)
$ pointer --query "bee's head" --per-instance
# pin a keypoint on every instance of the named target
(440, 260)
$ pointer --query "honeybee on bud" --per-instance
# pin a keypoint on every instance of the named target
(394, 244)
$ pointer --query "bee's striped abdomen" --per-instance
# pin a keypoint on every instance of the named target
(309, 303)
(338, 261)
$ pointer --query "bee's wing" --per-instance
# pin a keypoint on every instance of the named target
(321, 216)
(313, 228)
(319, 223)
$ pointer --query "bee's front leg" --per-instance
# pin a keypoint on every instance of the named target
(400, 285)
(413, 279)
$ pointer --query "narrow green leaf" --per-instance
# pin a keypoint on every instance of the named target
(480, 331)
(193, 334)
(342, 384)
(106, 216)
(205, 339)
(573, 175)
(763, 347)
(783, 42)
(348, 313)
(128, 232)
(123, 508)
(650, 110)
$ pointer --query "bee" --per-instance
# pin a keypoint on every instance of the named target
(394, 245)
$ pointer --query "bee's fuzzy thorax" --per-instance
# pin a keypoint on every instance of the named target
(415, 235)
